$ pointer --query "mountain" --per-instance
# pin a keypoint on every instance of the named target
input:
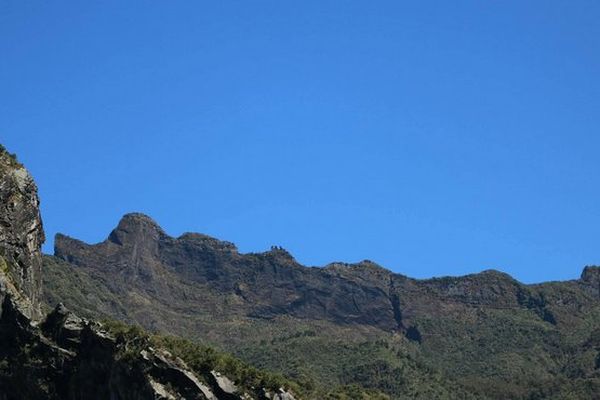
(479, 336)
(63, 356)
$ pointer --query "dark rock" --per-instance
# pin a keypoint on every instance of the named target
(139, 254)
(224, 387)
(63, 327)
(590, 277)
(21, 236)
(412, 333)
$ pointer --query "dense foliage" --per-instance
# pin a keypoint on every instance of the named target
(203, 359)
(492, 341)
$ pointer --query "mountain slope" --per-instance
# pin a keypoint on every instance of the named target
(485, 334)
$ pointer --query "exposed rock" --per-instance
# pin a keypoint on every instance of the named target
(591, 278)
(92, 365)
(224, 387)
(281, 394)
(196, 272)
(63, 327)
(21, 236)
(139, 254)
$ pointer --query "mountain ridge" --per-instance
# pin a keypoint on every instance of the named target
(476, 331)
(139, 221)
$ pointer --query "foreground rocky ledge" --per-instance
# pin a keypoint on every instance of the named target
(67, 357)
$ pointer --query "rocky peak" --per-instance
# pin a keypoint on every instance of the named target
(136, 228)
(21, 236)
(591, 277)
(591, 274)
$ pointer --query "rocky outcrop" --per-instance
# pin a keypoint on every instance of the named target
(68, 357)
(21, 236)
(590, 278)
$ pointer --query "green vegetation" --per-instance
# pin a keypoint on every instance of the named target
(4, 267)
(490, 340)
(355, 392)
(322, 359)
(201, 359)
(378, 366)
(204, 359)
(11, 156)
(88, 297)
(6, 270)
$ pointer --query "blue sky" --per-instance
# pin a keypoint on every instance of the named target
(433, 137)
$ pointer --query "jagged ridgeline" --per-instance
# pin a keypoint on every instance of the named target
(64, 356)
(345, 325)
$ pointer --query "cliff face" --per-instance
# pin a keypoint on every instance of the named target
(21, 236)
(138, 254)
(591, 279)
(62, 356)
(150, 272)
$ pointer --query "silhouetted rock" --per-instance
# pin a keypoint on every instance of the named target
(21, 236)
(139, 254)
(591, 278)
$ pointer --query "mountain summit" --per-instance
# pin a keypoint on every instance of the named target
(136, 228)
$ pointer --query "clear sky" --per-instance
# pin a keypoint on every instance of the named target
(433, 137)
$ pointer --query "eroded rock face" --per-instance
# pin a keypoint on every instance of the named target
(21, 236)
(200, 275)
(590, 277)
(68, 357)
(138, 253)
